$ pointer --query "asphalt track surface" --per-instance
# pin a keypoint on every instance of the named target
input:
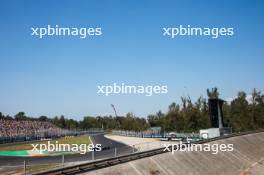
(107, 145)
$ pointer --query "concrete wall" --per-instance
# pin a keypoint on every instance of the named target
(246, 158)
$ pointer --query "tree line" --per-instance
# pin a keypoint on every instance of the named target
(245, 112)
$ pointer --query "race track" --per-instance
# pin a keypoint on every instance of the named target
(107, 145)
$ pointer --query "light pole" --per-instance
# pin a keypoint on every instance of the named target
(114, 109)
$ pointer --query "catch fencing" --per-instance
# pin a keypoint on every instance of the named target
(46, 134)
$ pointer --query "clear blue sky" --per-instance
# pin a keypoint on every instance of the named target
(54, 76)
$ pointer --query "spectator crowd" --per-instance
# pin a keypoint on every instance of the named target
(26, 128)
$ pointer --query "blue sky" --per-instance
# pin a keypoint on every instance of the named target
(59, 75)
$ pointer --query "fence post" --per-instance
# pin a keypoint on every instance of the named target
(25, 167)
(93, 155)
(115, 152)
(62, 160)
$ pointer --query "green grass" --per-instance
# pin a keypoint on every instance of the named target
(84, 139)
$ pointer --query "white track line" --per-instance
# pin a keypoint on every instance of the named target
(90, 140)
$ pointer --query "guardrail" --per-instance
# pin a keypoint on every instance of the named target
(102, 163)
(125, 158)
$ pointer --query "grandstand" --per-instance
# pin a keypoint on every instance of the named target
(12, 130)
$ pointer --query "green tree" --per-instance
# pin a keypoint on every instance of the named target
(20, 116)
(239, 112)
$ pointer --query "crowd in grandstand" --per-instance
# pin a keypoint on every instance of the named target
(24, 128)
